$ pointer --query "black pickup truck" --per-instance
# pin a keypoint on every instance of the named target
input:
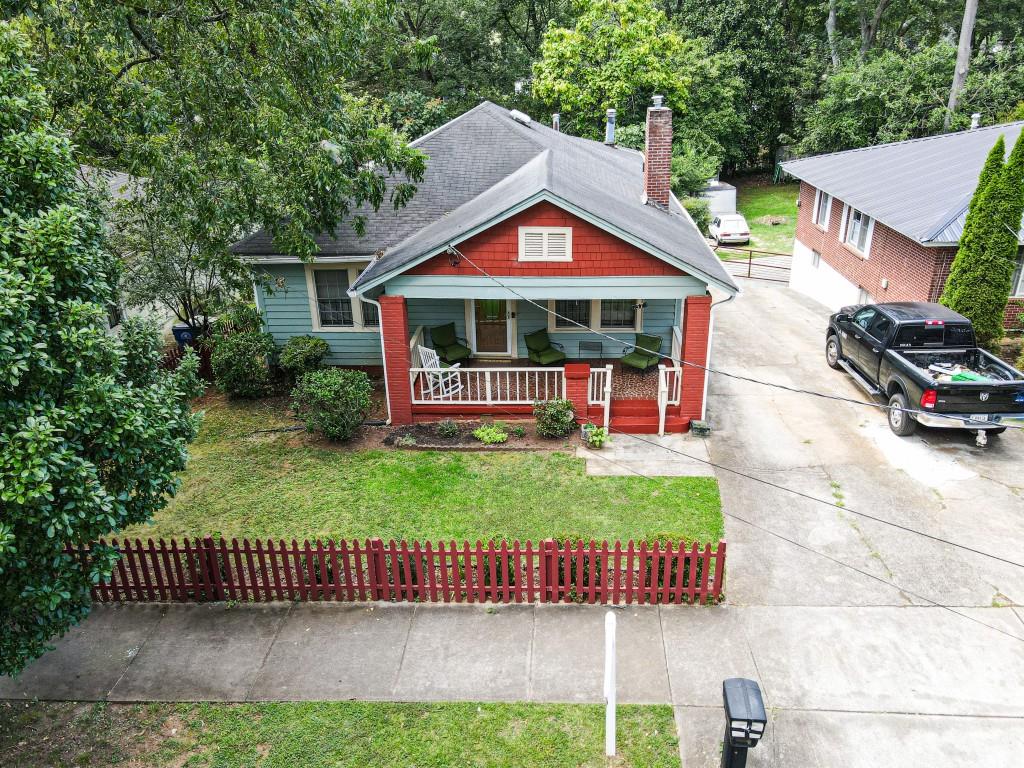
(924, 360)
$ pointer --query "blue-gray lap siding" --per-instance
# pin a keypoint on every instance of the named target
(286, 314)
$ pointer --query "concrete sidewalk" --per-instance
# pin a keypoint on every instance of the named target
(874, 685)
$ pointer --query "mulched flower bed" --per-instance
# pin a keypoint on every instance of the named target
(427, 437)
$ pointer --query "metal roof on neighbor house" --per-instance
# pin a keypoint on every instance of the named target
(920, 188)
(485, 163)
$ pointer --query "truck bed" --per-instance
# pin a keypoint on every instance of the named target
(955, 366)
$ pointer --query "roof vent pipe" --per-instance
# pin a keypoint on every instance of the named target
(975, 120)
(609, 127)
(556, 121)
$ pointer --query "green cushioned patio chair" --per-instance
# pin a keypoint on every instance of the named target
(448, 345)
(542, 350)
(644, 354)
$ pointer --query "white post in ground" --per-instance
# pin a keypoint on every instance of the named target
(609, 683)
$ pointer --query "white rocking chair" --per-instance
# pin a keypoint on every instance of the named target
(441, 384)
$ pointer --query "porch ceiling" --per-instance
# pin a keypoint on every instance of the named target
(616, 287)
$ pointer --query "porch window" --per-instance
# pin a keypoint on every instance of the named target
(332, 301)
(577, 310)
(619, 314)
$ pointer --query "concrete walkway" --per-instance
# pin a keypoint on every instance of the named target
(646, 455)
(844, 685)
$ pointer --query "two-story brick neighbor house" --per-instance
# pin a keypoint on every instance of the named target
(882, 223)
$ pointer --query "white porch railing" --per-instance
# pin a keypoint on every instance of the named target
(599, 390)
(670, 388)
(486, 386)
(414, 343)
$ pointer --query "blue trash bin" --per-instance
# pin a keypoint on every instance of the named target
(182, 334)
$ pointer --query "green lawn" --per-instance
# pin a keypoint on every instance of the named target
(34, 735)
(284, 485)
(758, 200)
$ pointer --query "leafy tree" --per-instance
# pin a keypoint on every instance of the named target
(981, 276)
(91, 435)
(238, 112)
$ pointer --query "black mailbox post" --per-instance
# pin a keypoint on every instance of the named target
(745, 720)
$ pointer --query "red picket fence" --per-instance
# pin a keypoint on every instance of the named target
(203, 570)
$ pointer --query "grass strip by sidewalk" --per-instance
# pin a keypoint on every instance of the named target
(240, 484)
(357, 734)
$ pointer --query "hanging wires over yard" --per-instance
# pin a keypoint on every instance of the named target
(750, 379)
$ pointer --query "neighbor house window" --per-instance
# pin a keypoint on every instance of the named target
(1018, 277)
(545, 243)
(822, 209)
(815, 258)
(330, 306)
(858, 230)
(332, 301)
(572, 313)
(619, 314)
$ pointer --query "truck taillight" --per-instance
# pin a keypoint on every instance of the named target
(929, 398)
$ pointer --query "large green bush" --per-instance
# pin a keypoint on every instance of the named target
(303, 354)
(241, 363)
(555, 418)
(700, 212)
(332, 402)
(143, 348)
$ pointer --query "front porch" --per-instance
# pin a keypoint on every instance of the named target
(494, 376)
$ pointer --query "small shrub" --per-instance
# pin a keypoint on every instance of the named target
(240, 318)
(555, 418)
(596, 437)
(699, 211)
(406, 441)
(302, 354)
(448, 429)
(332, 401)
(240, 363)
(518, 431)
(490, 434)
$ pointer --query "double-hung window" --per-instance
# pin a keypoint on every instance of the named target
(858, 229)
(1018, 276)
(570, 314)
(330, 305)
(822, 209)
(618, 314)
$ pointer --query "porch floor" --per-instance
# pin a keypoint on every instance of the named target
(627, 383)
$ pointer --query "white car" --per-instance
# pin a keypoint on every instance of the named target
(729, 228)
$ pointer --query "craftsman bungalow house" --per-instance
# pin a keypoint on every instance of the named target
(882, 223)
(528, 259)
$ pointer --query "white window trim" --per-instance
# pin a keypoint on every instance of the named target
(357, 306)
(1017, 291)
(848, 211)
(821, 223)
(595, 315)
(567, 231)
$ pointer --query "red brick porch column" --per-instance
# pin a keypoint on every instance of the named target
(394, 322)
(577, 383)
(696, 325)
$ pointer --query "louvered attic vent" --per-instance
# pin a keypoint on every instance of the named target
(545, 243)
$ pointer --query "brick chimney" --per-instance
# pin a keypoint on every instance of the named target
(658, 154)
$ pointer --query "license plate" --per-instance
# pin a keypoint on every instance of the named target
(976, 417)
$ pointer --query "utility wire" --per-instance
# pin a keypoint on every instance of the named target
(797, 390)
(775, 485)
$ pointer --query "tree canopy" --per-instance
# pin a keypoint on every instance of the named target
(91, 433)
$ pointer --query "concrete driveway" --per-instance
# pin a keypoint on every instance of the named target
(815, 609)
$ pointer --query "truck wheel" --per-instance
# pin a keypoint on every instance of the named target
(900, 422)
(832, 352)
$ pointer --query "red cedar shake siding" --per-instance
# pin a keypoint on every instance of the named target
(914, 272)
(595, 253)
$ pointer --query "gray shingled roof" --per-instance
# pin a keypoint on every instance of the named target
(920, 188)
(483, 164)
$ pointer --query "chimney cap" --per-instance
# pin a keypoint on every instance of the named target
(657, 100)
(610, 113)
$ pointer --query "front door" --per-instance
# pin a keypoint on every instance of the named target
(491, 323)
